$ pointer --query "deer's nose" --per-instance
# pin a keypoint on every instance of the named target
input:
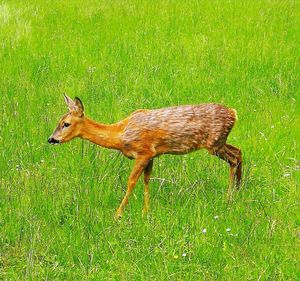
(52, 140)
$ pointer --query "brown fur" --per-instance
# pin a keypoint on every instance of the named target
(146, 134)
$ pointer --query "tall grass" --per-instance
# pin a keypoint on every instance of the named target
(57, 203)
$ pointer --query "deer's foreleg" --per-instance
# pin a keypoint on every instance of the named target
(147, 174)
(138, 168)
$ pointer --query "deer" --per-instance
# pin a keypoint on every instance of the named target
(149, 133)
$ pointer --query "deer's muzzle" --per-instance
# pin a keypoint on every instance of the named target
(53, 141)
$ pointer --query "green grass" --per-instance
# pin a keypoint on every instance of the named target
(57, 203)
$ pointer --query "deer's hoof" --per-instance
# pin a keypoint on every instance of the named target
(118, 215)
(145, 213)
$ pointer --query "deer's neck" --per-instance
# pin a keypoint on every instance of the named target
(108, 136)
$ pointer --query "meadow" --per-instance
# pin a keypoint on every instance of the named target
(57, 203)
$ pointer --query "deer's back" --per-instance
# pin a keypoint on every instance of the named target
(179, 129)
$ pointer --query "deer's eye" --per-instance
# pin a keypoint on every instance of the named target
(66, 125)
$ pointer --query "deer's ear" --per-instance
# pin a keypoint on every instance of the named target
(78, 106)
(75, 107)
(70, 103)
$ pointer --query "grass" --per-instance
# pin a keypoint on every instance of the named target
(57, 203)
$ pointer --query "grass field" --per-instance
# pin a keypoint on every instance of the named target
(57, 203)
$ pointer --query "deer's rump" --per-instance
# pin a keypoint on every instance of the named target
(180, 129)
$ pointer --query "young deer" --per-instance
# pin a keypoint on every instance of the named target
(146, 134)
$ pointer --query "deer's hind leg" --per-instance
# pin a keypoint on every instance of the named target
(147, 174)
(233, 156)
(237, 164)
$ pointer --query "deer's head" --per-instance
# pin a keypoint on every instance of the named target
(70, 124)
